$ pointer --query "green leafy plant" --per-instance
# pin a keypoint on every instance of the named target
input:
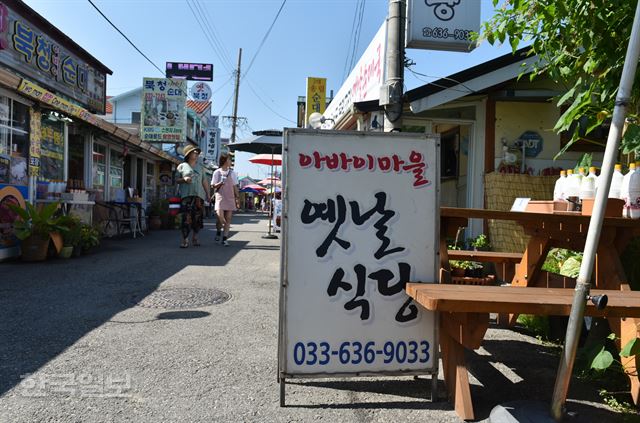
(580, 45)
(480, 243)
(159, 207)
(89, 237)
(538, 325)
(72, 235)
(32, 222)
(563, 262)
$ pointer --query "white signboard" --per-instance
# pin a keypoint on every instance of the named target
(164, 113)
(442, 24)
(200, 91)
(361, 220)
(211, 146)
(364, 81)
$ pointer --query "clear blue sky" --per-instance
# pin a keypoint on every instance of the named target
(310, 38)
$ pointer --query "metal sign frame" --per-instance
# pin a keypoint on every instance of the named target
(284, 265)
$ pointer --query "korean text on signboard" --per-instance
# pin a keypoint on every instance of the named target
(351, 245)
(442, 24)
(164, 112)
(212, 145)
(190, 71)
(316, 96)
(200, 91)
(30, 51)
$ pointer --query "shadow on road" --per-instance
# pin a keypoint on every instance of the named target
(47, 307)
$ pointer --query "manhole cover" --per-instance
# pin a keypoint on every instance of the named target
(178, 298)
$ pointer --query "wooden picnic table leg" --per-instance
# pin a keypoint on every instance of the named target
(457, 332)
(610, 274)
(456, 377)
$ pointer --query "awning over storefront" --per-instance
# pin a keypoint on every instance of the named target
(43, 96)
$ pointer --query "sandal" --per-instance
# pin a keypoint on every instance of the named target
(195, 243)
(184, 244)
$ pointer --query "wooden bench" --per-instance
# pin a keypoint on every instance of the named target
(464, 320)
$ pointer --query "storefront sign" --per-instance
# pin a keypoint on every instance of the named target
(316, 96)
(351, 243)
(212, 145)
(533, 143)
(200, 91)
(364, 81)
(442, 24)
(28, 50)
(190, 71)
(35, 123)
(164, 111)
(38, 93)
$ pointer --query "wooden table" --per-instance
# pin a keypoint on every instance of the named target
(464, 321)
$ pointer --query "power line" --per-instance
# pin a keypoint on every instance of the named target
(201, 23)
(418, 74)
(356, 40)
(264, 39)
(125, 37)
(204, 12)
(351, 37)
(267, 106)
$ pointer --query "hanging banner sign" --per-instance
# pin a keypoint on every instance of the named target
(38, 93)
(212, 145)
(164, 111)
(316, 97)
(442, 24)
(190, 71)
(35, 119)
(350, 246)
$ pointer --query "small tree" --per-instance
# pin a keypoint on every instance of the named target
(581, 45)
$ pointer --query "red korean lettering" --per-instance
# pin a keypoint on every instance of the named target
(305, 160)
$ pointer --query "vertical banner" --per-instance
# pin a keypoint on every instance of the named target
(212, 145)
(35, 118)
(164, 111)
(351, 243)
(316, 97)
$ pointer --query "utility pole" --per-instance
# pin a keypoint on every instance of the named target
(392, 90)
(234, 118)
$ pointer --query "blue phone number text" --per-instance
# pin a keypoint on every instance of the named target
(322, 353)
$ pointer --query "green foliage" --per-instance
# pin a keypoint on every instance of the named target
(32, 222)
(463, 264)
(89, 237)
(629, 412)
(73, 231)
(579, 44)
(538, 325)
(481, 243)
(563, 262)
(585, 162)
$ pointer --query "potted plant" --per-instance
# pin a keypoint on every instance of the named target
(89, 238)
(71, 236)
(467, 268)
(480, 243)
(35, 229)
(158, 214)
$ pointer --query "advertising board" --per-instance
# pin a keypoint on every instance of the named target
(351, 243)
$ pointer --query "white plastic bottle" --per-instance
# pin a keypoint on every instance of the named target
(624, 189)
(588, 185)
(633, 201)
(572, 188)
(616, 182)
(559, 188)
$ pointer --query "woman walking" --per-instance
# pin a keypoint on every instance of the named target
(193, 191)
(225, 184)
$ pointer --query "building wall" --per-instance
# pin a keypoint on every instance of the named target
(513, 118)
(123, 107)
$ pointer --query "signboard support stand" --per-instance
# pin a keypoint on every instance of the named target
(282, 392)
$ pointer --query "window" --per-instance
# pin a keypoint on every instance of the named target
(76, 161)
(14, 142)
(99, 169)
(116, 172)
(51, 148)
(449, 153)
(135, 117)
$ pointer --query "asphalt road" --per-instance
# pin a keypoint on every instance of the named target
(75, 347)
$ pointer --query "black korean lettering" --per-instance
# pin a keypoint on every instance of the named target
(384, 277)
(380, 225)
(331, 211)
(355, 302)
(407, 312)
(337, 283)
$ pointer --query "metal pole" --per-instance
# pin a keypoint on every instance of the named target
(394, 70)
(234, 118)
(563, 377)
